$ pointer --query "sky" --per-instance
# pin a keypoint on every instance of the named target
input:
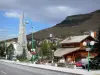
(40, 13)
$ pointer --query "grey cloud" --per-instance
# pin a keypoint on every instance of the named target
(50, 11)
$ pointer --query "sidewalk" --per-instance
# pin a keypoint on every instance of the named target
(60, 69)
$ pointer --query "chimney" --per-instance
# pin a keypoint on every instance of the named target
(93, 34)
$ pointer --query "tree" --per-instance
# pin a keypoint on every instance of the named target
(44, 48)
(97, 45)
(2, 50)
(23, 56)
(10, 51)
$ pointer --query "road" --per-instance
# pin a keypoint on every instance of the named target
(13, 69)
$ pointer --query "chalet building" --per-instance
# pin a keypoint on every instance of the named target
(72, 48)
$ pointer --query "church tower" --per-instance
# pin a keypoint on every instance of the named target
(22, 41)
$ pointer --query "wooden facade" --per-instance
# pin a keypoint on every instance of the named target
(78, 54)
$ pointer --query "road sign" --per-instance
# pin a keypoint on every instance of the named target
(88, 49)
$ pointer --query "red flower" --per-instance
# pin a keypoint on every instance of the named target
(33, 53)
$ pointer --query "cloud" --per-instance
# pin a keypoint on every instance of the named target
(6, 33)
(3, 30)
(50, 11)
(12, 14)
(60, 12)
(12, 35)
(7, 36)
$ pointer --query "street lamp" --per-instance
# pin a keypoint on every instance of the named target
(32, 44)
(33, 52)
(88, 44)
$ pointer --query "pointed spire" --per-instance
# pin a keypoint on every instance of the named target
(22, 19)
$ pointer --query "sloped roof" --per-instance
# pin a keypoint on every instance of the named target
(75, 39)
(62, 51)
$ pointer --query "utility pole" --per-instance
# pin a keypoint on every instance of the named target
(52, 56)
(51, 53)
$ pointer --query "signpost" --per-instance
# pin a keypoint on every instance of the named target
(89, 44)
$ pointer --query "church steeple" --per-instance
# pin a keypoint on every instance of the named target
(22, 41)
(22, 19)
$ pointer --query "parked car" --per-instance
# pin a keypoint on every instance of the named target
(78, 64)
(93, 63)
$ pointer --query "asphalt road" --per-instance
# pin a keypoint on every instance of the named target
(13, 69)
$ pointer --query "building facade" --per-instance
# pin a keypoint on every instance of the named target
(72, 48)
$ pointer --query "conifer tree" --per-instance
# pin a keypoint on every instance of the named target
(97, 45)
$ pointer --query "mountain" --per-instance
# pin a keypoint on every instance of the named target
(72, 25)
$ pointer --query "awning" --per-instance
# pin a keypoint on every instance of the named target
(62, 51)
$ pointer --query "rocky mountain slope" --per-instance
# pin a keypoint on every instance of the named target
(72, 25)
